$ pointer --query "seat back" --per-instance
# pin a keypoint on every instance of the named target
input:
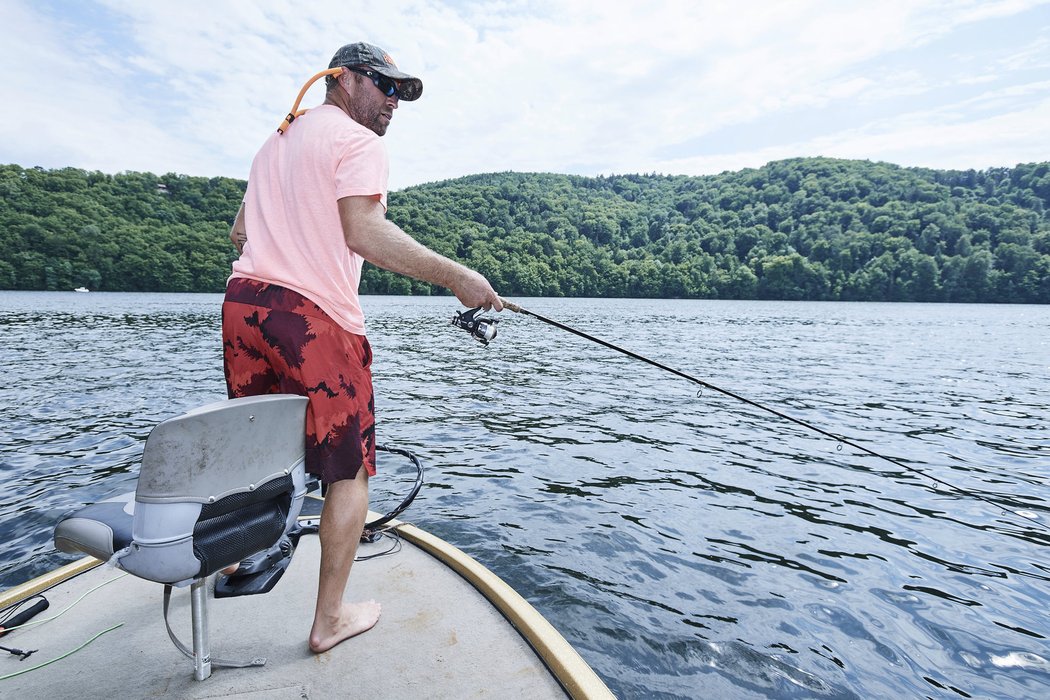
(217, 484)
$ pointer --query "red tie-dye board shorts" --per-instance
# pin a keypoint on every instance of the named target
(276, 341)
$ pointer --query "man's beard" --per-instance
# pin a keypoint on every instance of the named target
(370, 118)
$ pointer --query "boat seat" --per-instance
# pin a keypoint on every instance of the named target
(217, 485)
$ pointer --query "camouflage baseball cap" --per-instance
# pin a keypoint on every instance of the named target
(362, 54)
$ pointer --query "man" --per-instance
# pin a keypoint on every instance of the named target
(314, 210)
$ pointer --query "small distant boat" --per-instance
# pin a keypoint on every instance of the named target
(81, 289)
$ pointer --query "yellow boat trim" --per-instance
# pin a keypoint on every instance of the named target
(48, 580)
(574, 674)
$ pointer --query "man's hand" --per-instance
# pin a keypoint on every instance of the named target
(474, 290)
(238, 233)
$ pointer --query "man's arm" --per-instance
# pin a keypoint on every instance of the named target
(381, 242)
(238, 233)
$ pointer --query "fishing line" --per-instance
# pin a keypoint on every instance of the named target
(476, 328)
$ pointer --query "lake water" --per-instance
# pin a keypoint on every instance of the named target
(688, 546)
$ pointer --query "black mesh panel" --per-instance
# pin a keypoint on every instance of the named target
(272, 489)
(242, 524)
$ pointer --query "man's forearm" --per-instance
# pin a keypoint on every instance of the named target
(368, 233)
(383, 243)
(395, 250)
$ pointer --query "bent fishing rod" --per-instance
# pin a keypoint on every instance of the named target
(484, 330)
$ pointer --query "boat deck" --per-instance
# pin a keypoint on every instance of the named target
(438, 637)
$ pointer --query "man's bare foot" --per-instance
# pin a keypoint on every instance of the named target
(354, 619)
(230, 570)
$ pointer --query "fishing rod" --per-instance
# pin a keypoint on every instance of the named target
(484, 330)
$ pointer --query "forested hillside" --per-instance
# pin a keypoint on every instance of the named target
(60, 229)
(811, 228)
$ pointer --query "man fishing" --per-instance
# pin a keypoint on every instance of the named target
(314, 211)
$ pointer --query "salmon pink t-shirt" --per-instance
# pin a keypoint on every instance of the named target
(295, 237)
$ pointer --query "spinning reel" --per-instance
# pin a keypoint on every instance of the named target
(481, 329)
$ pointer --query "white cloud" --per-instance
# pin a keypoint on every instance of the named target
(580, 86)
(1033, 55)
(924, 139)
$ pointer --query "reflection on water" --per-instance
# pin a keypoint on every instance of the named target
(688, 546)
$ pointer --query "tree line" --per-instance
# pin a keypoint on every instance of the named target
(806, 228)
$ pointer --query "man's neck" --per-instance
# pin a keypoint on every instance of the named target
(338, 98)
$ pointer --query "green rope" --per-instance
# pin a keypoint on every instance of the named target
(65, 609)
(59, 658)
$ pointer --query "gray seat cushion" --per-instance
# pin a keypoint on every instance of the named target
(99, 529)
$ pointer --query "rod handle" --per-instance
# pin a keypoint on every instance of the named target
(510, 305)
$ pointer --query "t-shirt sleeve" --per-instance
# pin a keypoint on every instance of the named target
(363, 170)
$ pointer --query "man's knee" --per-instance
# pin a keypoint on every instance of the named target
(348, 487)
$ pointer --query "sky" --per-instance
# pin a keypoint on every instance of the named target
(692, 87)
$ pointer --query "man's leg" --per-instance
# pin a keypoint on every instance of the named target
(342, 520)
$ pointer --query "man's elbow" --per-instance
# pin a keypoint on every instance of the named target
(353, 236)
(362, 218)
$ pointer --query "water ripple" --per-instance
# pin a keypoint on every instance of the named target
(688, 546)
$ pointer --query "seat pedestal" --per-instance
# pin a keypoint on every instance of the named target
(201, 651)
(199, 615)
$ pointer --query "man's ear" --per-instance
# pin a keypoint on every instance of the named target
(345, 78)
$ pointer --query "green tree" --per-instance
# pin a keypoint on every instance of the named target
(803, 228)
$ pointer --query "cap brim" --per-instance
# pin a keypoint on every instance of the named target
(409, 87)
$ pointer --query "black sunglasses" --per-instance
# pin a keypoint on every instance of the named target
(386, 86)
